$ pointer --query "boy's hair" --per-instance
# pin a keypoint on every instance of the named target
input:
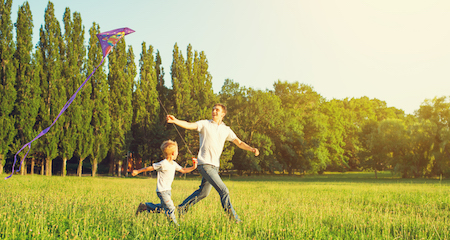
(222, 106)
(168, 147)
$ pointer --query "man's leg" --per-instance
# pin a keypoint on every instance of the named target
(202, 192)
(167, 204)
(211, 174)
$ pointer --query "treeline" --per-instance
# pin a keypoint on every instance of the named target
(118, 111)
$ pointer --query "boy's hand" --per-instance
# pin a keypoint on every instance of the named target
(194, 161)
(134, 173)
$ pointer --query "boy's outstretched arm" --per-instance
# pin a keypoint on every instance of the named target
(190, 169)
(146, 169)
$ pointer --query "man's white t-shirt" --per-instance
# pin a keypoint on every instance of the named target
(166, 174)
(212, 140)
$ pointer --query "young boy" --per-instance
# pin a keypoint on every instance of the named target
(166, 173)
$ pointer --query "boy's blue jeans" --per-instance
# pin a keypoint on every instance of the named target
(211, 178)
(166, 205)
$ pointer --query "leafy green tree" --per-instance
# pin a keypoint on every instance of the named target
(202, 90)
(358, 113)
(37, 73)
(120, 78)
(304, 149)
(182, 103)
(52, 85)
(163, 91)
(253, 115)
(260, 117)
(334, 112)
(27, 83)
(146, 108)
(180, 95)
(77, 118)
(8, 80)
(419, 153)
(101, 121)
(234, 98)
(437, 112)
(384, 144)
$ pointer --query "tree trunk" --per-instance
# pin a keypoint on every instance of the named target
(23, 167)
(111, 164)
(48, 169)
(119, 168)
(376, 176)
(42, 167)
(32, 166)
(1, 164)
(126, 165)
(94, 167)
(80, 167)
(64, 167)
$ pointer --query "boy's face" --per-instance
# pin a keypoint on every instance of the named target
(175, 154)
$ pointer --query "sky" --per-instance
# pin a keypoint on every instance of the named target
(397, 51)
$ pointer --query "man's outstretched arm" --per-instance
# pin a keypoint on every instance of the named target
(181, 123)
(245, 146)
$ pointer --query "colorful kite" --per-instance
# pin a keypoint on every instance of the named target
(107, 41)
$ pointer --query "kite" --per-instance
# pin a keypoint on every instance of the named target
(107, 41)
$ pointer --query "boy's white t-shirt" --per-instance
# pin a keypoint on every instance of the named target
(166, 174)
(212, 140)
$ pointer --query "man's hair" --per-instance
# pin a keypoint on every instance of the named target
(222, 106)
(168, 147)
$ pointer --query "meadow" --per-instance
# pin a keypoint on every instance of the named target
(328, 206)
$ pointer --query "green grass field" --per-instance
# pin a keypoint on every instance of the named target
(330, 206)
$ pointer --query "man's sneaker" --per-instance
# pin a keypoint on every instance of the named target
(142, 207)
(182, 210)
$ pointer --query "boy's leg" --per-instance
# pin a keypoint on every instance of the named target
(142, 207)
(211, 174)
(202, 192)
(167, 204)
(151, 207)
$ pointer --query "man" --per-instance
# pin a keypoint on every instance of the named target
(213, 134)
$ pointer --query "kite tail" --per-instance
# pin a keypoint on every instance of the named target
(47, 129)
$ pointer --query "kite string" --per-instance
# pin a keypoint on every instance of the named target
(54, 121)
(159, 100)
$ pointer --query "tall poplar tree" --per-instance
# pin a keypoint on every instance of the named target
(120, 79)
(27, 82)
(146, 108)
(180, 97)
(85, 130)
(52, 85)
(7, 81)
(163, 91)
(181, 94)
(101, 122)
(72, 65)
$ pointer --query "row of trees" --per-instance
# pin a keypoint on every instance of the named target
(118, 111)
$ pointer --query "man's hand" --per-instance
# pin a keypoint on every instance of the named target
(255, 151)
(134, 173)
(170, 119)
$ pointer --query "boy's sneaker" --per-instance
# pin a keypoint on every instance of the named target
(142, 207)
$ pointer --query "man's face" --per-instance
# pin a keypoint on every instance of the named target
(218, 112)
